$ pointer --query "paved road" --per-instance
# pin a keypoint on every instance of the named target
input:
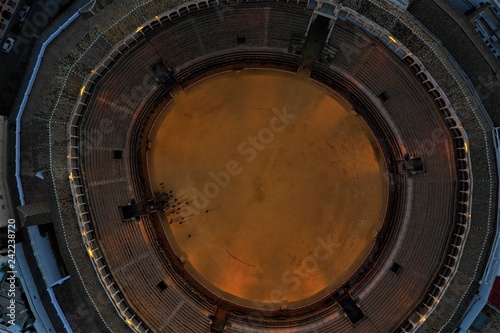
(13, 65)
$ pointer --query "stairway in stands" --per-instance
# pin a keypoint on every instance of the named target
(315, 41)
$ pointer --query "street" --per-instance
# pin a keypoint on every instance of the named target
(13, 65)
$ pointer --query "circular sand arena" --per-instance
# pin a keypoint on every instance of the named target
(276, 189)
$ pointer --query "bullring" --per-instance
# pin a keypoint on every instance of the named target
(388, 68)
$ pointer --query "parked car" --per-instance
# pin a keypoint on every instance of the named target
(23, 12)
(8, 45)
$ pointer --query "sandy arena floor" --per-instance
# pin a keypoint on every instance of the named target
(280, 188)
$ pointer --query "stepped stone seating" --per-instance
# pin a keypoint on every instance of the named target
(409, 115)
